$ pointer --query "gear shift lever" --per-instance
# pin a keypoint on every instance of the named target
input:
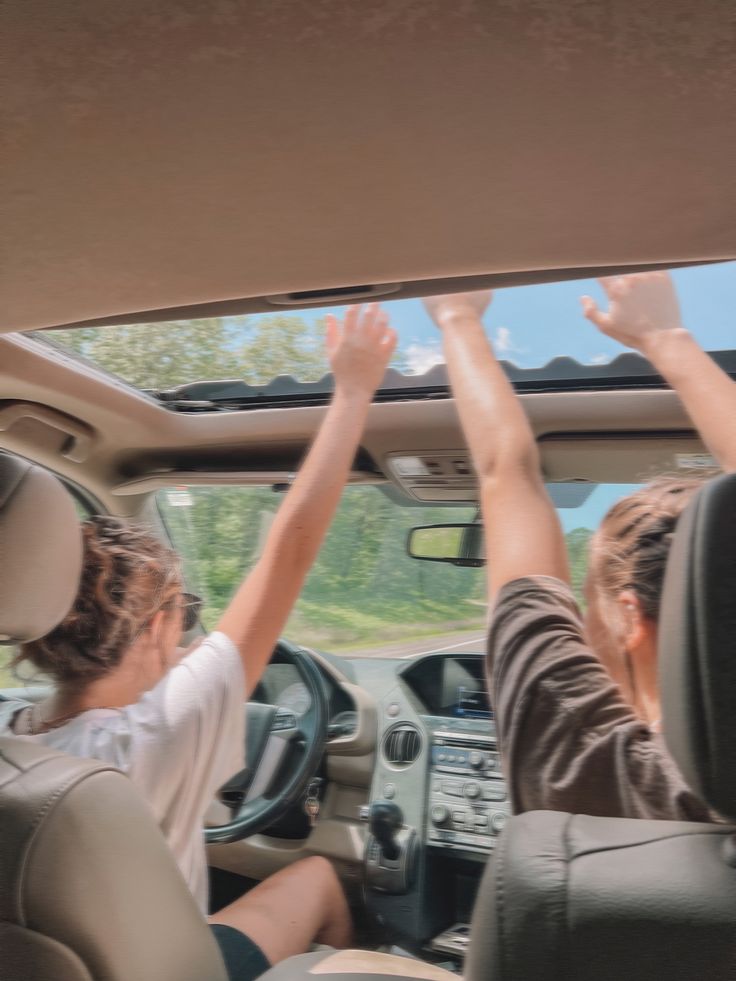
(384, 820)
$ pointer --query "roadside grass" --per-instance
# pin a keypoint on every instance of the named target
(339, 628)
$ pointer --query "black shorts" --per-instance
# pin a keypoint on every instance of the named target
(243, 958)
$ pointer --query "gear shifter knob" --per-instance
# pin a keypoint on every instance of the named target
(385, 819)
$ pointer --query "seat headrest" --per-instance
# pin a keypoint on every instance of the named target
(697, 645)
(40, 550)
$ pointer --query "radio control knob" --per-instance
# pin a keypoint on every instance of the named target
(439, 814)
(498, 820)
(472, 790)
(476, 759)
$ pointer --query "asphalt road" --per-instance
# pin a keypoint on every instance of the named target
(458, 643)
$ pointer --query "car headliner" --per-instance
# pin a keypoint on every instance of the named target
(166, 155)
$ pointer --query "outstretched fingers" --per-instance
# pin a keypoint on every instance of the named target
(332, 333)
(594, 314)
(352, 319)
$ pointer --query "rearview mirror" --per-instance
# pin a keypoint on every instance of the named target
(458, 544)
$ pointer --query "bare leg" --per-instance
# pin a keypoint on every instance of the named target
(286, 913)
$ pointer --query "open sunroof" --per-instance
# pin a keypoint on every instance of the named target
(271, 358)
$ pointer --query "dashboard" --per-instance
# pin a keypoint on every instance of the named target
(419, 734)
(282, 686)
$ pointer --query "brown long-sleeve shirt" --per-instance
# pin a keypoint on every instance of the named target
(568, 741)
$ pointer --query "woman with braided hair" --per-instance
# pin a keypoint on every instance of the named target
(576, 696)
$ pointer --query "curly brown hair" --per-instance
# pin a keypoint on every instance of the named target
(127, 576)
(633, 541)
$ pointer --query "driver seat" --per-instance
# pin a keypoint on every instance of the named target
(88, 887)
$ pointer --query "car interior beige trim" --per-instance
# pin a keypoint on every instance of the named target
(477, 147)
(138, 445)
(360, 962)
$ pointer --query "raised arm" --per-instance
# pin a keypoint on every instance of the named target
(359, 351)
(523, 534)
(643, 313)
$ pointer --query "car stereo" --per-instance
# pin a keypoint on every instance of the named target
(467, 803)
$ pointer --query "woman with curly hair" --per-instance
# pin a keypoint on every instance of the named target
(176, 725)
(576, 697)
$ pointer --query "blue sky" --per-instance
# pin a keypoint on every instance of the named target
(590, 514)
(532, 324)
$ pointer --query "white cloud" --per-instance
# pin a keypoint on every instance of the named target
(422, 357)
(599, 358)
(503, 342)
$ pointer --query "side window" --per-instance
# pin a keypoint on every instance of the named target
(25, 674)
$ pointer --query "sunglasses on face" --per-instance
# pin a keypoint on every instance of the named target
(190, 605)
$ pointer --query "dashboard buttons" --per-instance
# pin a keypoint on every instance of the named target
(389, 791)
(440, 814)
(498, 820)
(465, 787)
(393, 709)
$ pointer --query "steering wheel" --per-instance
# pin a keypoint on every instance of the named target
(282, 753)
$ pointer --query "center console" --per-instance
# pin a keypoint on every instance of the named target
(467, 802)
(438, 803)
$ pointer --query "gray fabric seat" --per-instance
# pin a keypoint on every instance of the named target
(584, 898)
(88, 887)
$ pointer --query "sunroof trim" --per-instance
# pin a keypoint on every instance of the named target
(561, 374)
(394, 291)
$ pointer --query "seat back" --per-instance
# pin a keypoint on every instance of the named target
(600, 899)
(581, 898)
(88, 887)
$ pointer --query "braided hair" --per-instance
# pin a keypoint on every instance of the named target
(634, 539)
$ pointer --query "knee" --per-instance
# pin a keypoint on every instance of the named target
(321, 873)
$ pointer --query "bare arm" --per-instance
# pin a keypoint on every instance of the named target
(644, 314)
(523, 534)
(359, 353)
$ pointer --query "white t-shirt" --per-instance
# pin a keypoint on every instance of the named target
(178, 744)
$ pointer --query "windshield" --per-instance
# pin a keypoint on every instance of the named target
(365, 595)
(529, 326)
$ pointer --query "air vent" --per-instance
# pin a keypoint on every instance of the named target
(401, 745)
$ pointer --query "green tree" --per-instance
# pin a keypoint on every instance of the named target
(578, 546)
(160, 356)
(283, 344)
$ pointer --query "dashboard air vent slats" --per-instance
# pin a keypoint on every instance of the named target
(401, 745)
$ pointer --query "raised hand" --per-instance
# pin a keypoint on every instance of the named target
(640, 306)
(457, 306)
(359, 348)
